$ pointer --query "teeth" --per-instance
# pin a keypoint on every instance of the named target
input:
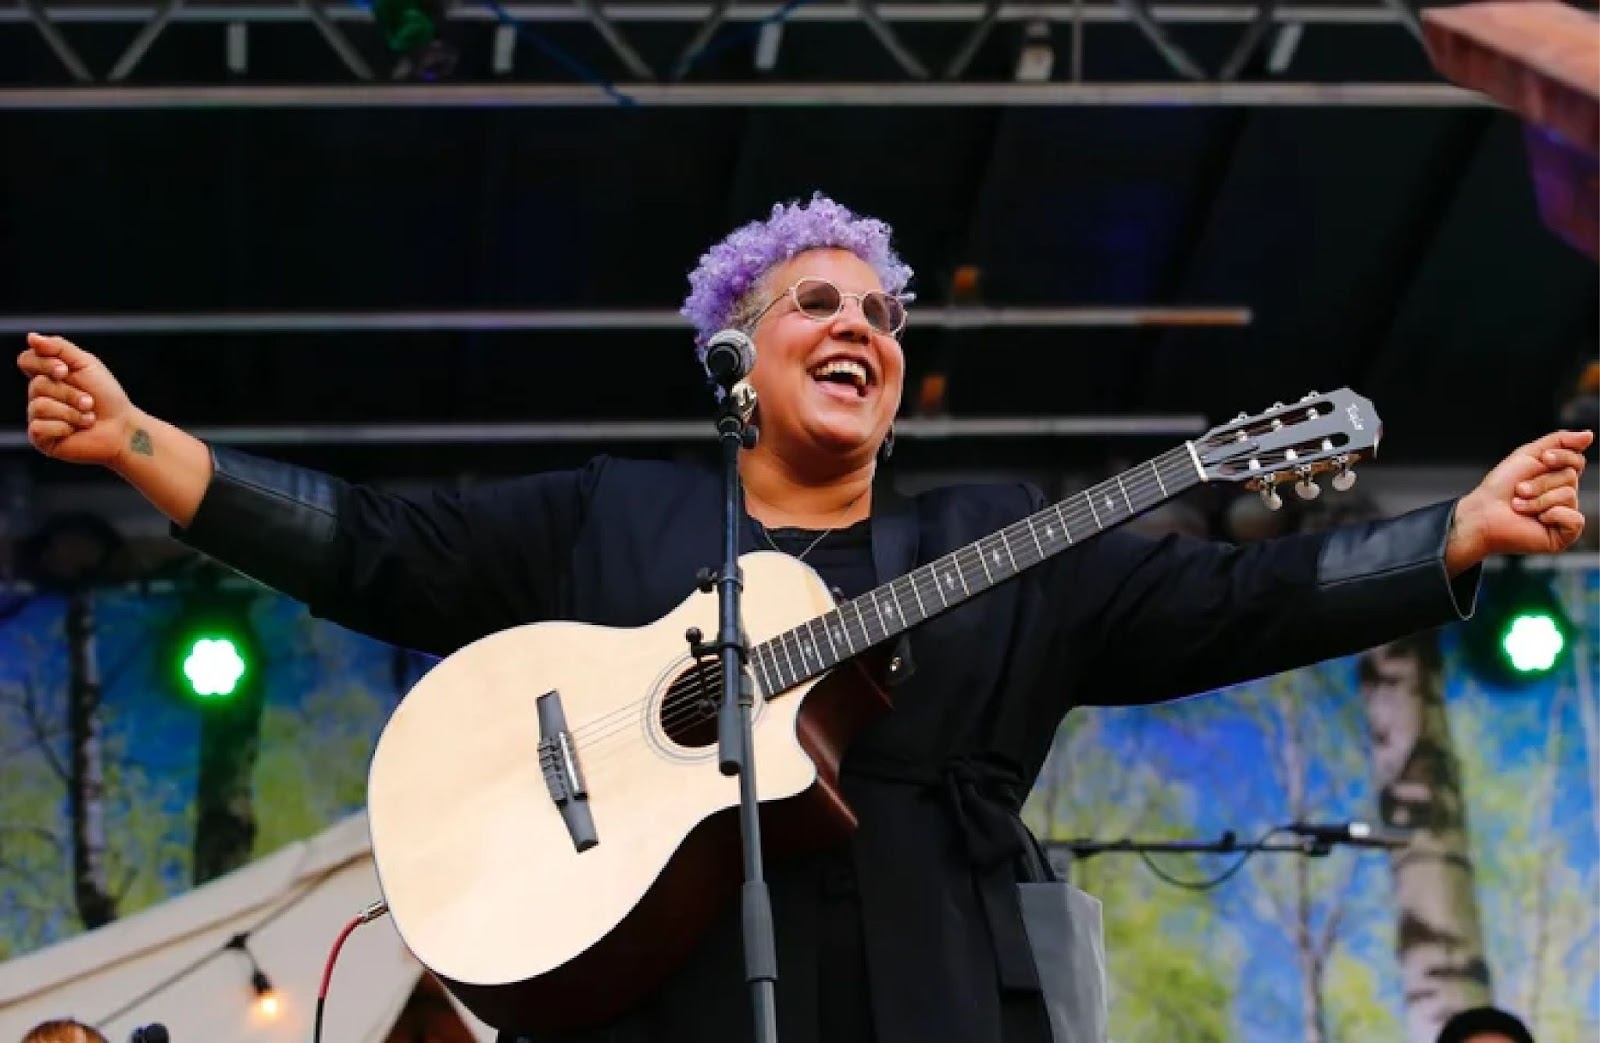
(855, 370)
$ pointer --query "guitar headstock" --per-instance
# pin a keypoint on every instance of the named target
(1323, 432)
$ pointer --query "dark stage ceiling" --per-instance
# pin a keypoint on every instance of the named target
(1395, 248)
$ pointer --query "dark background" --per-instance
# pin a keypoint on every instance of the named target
(1396, 250)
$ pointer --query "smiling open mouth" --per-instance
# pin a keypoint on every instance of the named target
(843, 373)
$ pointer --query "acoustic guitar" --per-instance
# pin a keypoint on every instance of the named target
(551, 830)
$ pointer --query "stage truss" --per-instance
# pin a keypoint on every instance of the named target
(509, 45)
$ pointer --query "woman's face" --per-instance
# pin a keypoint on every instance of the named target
(826, 387)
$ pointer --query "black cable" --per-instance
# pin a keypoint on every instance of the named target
(1196, 885)
(1246, 852)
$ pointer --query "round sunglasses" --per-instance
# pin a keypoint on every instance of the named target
(820, 300)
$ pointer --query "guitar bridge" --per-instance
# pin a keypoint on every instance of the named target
(563, 777)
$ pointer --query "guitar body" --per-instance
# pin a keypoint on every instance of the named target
(481, 869)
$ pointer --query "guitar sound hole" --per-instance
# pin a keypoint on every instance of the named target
(689, 710)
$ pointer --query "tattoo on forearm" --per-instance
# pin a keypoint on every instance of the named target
(140, 443)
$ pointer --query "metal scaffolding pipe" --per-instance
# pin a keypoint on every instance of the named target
(578, 319)
(747, 95)
(675, 431)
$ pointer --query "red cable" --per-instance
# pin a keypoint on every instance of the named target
(370, 913)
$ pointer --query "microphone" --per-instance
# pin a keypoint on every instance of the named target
(156, 1033)
(1355, 834)
(730, 355)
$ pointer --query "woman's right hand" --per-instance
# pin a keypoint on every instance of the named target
(77, 411)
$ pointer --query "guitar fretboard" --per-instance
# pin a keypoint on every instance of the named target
(885, 612)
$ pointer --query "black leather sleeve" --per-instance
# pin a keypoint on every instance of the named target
(1399, 562)
(1174, 616)
(273, 522)
(431, 571)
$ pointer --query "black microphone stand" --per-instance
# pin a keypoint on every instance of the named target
(736, 747)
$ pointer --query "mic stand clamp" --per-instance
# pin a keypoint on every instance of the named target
(735, 744)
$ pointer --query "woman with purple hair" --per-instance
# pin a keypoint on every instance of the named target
(926, 927)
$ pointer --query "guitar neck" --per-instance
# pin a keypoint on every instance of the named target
(930, 590)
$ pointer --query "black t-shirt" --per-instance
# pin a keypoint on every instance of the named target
(843, 558)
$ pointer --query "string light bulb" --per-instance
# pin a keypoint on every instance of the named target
(267, 1004)
(266, 998)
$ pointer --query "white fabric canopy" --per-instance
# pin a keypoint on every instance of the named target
(293, 904)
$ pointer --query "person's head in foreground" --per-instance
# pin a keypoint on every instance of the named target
(63, 1030)
(1484, 1025)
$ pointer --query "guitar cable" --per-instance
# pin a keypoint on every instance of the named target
(367, 915)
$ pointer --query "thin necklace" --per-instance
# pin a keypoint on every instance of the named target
(825, 532)
(802, 555)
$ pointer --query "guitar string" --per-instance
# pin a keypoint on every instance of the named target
(690, 713)
(591, 735)
(694, 714)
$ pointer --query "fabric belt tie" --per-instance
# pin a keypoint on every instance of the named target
(981, 799)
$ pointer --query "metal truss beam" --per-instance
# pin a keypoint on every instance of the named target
(880, 20)
(141, 43)
(34, 12)
(579, 319)
(749, 95)
(317, 12)
(1332, 14)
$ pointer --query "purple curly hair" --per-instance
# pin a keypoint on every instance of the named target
(720, 289)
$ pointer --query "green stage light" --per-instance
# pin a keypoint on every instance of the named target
(407, 24)
(415, 30)
(214, 666)
(1532, 642)
(210, 653)
(1519, 633)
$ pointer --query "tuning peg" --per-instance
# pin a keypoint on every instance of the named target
(1309, 397)
(1306, 488)
(1270, 497)
(1344, 479)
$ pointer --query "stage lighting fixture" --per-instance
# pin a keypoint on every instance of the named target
(213, 666)
(1037, 58)
(1520, 633)
(267, 1004)
(414, 29)
(211, 646)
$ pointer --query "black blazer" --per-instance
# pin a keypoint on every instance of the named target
(979, 692)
